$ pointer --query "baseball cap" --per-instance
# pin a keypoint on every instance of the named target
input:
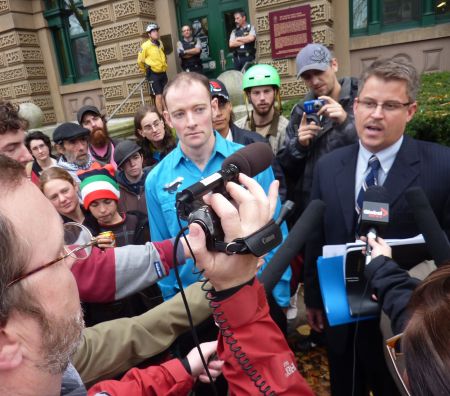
(313, 57)
(124, 150)
(217, 88)
(68, 131)
(87, 109)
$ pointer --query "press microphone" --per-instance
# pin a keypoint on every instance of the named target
(310, 219)
(250, 160)
(428, 225)
(374, 215)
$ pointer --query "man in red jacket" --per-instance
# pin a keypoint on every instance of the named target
(41, 319)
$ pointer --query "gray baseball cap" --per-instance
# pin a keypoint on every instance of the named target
(313, 57)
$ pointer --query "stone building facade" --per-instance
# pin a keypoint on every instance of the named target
(31, 71)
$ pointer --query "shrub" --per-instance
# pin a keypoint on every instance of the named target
(432, 120)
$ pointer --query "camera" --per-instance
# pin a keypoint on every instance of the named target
(313, 106)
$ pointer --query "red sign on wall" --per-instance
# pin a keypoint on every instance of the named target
(290, 30)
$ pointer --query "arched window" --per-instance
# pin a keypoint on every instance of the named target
(72, 38)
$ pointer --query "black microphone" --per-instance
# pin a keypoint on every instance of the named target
(428, 225)
(374, 215)
(250, 160)
(310, 219)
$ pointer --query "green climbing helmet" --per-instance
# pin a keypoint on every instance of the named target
(259, 75)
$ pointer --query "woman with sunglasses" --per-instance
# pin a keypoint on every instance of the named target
(152, 134)
(419, 313)
(97, 275)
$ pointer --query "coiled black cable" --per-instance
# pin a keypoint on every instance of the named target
(227, 334)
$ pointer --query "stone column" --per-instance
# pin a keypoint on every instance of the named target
(118, 30)
(23, 77)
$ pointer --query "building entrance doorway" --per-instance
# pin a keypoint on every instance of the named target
(212, 21)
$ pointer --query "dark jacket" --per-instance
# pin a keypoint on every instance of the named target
(108, 158)
(132, 195)
(246, 137)
(393, 287)
(298, 161)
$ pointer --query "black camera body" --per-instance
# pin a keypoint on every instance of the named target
(205, 216)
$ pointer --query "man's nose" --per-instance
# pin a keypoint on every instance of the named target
(24, 155)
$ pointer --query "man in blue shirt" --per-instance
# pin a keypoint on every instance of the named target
(199, 153)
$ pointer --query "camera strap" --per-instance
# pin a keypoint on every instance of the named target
(259, 243)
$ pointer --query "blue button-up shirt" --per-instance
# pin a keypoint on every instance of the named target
(177, 172)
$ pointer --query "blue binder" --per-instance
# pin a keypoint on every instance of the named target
(334, 295)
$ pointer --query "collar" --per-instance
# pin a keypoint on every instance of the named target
(273, 129)
(386, 156)
(220, 146)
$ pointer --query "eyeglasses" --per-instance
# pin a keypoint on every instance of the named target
(152, 127)
(397, 359)
(78, 242)
(389, 106)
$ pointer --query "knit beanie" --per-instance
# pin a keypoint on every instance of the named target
(98, 184)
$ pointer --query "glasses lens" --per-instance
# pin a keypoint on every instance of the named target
(76, 240)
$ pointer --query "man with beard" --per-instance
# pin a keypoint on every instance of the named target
(71, 141)
(223, 122)
(41, 318)
(261, 85)
(310, 136)
(101, 146)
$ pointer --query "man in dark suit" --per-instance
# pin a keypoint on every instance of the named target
(385, 104)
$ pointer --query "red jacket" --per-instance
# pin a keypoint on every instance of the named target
(247, 315)
(169, 379)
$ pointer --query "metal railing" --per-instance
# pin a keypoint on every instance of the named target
(138, 86)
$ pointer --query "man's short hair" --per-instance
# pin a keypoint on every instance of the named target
(242, 13)
(188, 77)
(393, 69)
(10, 119)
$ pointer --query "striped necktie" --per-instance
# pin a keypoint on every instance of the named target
(370, 180)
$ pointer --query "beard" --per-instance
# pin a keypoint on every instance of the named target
(60, 340)
(265, 111)
(99, 137)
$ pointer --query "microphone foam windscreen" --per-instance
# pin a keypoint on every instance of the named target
(251, 159)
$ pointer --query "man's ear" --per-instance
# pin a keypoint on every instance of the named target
(334, 65)
(10, 351)
(167, 118)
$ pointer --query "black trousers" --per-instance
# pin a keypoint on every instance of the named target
(241, 60)
(356, 359)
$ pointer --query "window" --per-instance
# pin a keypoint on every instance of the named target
(72, 38)
(377, 16)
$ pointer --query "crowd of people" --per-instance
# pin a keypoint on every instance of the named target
(91, 222)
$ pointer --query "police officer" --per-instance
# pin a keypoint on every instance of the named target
(153, 62)
(242, 41)
(189, 50)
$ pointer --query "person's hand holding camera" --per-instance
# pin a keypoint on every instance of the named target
(307, 131)
(332, 110)
(254, 210)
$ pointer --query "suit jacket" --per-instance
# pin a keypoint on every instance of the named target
(417, 163)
